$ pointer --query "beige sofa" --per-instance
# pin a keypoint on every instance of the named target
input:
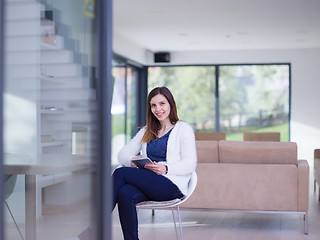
(251, 176)
(210, 136)
(261, 136)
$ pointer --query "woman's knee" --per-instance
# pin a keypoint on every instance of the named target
(129, 193)
(125, 194)
(120, 172)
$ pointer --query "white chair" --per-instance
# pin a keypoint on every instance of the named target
(172, 203)
(10, 182)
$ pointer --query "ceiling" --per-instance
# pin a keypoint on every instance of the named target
(187, 25)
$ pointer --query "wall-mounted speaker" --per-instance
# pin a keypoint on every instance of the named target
(162, 57)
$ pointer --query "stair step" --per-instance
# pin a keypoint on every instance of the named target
(25, 58)
(23, 72)
(62, 82)
(81, 94)
(23, 27)
(25, 43)
(48, 26)
(31, 43)
(20, 1)
(23, 10)
(55, 42)
(61, 70)
(76, 117)
(56, 56)
(62, 126)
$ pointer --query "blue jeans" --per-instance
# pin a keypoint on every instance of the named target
(134, 185)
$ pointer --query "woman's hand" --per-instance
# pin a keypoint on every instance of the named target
(132, 164)
(157, 168)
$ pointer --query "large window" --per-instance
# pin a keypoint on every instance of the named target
(124, 104)
(229, 98)
(118, 108)
(254, 98)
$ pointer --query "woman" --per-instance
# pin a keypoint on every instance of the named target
(170, 144)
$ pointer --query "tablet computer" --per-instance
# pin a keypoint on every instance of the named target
(140, 163)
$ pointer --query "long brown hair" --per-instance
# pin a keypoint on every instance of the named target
(153, 124)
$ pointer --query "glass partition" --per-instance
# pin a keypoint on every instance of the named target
(118, 109)
(132, 108)
(124, 105)
(50, 123)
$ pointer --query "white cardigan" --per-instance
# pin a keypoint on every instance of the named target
(181, 153)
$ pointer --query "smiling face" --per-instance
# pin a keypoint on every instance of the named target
(160, 107)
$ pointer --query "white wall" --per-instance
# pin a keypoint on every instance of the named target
(305, 89)
(128, 49)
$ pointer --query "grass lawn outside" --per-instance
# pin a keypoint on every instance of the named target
(282, 128)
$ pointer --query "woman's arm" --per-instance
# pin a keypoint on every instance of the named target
(183, 156)
(131, 149)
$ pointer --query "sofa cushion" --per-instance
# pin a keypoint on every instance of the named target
(259, 187)
(207, 151)
(258, 152)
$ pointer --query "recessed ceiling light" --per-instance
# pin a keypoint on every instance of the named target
(246, 42)
(183, 34)
(193, 43)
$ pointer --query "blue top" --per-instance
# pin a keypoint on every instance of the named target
(157, 148)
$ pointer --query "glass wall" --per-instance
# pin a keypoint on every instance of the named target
(118, 109)
(50, 119)
(133, 75)
(124, 104)
(249, 98)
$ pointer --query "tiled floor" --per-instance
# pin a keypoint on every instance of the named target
(197, 225)
(210, 225)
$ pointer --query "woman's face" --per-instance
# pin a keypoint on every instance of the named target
(160, 107)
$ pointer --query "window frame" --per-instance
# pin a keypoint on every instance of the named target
(141, 90)
(217, 76)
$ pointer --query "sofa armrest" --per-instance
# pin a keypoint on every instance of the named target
(303, 185)
(317, 153)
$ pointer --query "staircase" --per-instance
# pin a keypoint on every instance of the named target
(52, 107)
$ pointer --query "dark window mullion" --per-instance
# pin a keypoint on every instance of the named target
(217, 109)
(142, 92)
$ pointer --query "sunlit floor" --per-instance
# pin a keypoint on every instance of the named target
(55, 227)
(197, 225)
(211, 225)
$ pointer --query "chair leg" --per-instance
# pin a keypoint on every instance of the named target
(152, 212)
(314, 185)
(14, 220)
(180, 224)
(305, 218)
(174, 221)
